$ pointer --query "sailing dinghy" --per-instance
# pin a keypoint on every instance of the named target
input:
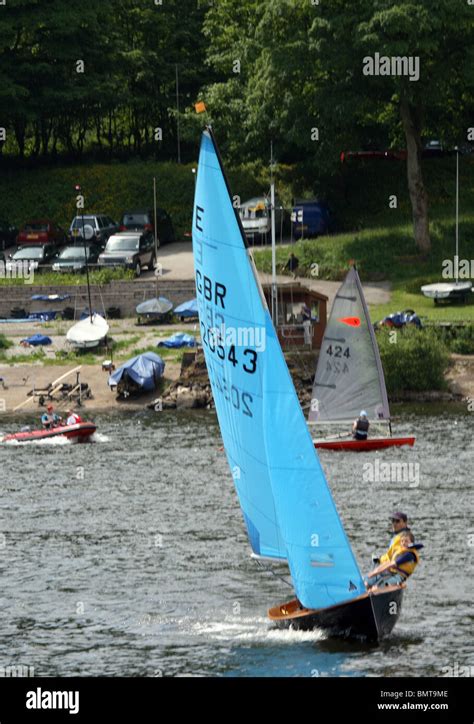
(89, 332)
(349, 375)
(287, 506)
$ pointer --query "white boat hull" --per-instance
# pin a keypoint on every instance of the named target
(87, 334)
(446, 290)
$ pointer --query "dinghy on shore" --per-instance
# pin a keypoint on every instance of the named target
(287, 505)
(88, 333)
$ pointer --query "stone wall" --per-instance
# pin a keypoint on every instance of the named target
(123, 294)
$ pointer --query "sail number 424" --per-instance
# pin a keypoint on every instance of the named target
(338, 351)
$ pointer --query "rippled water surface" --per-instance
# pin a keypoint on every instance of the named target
(129, 556)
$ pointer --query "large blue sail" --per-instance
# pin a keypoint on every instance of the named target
(285, 499)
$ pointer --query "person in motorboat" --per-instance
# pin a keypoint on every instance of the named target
(72, 418)
(399, 526)
(50, 418)
(404, 560)
(360, 427)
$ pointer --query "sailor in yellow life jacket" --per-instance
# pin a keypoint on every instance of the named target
(405, 558)
(399, 526)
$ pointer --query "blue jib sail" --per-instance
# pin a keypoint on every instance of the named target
(286, 503)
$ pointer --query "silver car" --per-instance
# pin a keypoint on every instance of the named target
(97, 228)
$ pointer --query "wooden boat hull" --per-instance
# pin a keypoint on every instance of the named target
(373, 443)
(81, 432)
(370, 616)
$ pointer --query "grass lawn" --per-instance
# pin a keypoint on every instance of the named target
(424, 307)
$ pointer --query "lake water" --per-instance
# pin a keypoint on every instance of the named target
(129, 556)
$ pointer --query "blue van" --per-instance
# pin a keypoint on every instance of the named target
(310, 218)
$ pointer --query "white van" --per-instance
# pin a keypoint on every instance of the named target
(257, 218)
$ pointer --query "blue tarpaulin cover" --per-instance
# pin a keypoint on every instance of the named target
(36, 339)
(44, 316)
(400, 319)
(50, 297)
(86, 314)
(187, 309)
(178, 340)
(145, 370)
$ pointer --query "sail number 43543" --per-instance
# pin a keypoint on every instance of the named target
(213, 342)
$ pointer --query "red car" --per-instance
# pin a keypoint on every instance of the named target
(41, 231)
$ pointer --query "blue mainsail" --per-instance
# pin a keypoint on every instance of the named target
(286, 503)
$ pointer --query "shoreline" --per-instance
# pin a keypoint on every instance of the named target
(185, 386)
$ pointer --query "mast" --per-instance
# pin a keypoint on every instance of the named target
(78, 188)
(274, 282)
(456, 258)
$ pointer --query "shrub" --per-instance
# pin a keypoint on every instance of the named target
(416, 361)
(4, 342)
(463, 343)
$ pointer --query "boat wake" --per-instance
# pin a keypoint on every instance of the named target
(252, 630)
(99, 437)
(48, 441)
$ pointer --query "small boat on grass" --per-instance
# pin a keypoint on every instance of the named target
(287, 505)
(157, 309)
(80, 432)
(89, 332)
(139, 374)
(349, 375)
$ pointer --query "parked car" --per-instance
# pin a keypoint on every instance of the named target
(310, 218)
(73, 258)
(144, 220)
(129, 249)
(97, 228)
(33, 256)
(8, 234)
(41, 231)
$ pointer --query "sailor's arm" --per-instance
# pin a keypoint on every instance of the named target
(380, 569)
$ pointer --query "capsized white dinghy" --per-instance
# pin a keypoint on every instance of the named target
(88, 332)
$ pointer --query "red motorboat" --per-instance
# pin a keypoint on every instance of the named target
(372, 443)
(80, 432)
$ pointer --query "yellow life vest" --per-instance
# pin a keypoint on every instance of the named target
(394, 543)
(408, 567)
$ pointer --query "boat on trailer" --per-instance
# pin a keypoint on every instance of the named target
(80, 432)
(349, 375)
(287, 505)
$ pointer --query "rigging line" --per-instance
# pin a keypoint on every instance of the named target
(269, 569)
